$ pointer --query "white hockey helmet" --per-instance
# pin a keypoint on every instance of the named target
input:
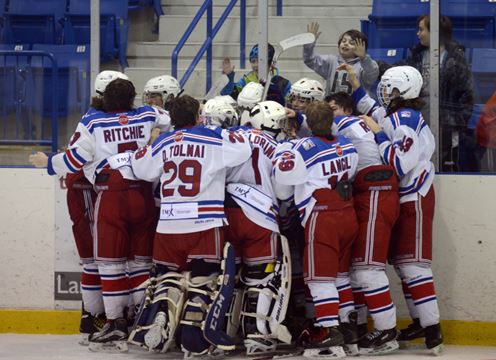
(250, 95)
(165, 85)
(268, 116)
(105, 77)
(308, 89)
(227, 99)
(219, 113)
(406, 79)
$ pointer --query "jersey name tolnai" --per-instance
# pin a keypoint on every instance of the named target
(191, 165)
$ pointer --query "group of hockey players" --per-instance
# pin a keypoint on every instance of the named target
(249, 223)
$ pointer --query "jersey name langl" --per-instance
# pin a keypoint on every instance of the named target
(314, 163)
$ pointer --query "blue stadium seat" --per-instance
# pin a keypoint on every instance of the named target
(474, 32)
(391, 32)
(395, 8)
(114, 27)
(476, 113)
(468, 8)
(389, 56)
(73, 91)
(484, 72)
(33, 21)
(15, 80)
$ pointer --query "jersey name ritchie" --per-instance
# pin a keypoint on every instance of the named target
(125, 133)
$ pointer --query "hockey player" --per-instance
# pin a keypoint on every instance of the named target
(302, 93)
(124, 206)
(161, 90)
(191, 163)
(376, 200)
(319, 167)
(352, 46)
(252, 209)
(406, 143)
(80, 203)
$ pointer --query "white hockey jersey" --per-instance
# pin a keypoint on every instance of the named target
(314, 163)
(357, 131)
(406, 143)
(191, 164)
(107, 140)
(251, 183)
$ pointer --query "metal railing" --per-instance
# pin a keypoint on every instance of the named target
(207, 44)
(20, 98)
(211, 33)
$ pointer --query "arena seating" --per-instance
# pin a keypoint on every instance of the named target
(73, 63)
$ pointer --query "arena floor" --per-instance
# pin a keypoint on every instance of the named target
(65, 347)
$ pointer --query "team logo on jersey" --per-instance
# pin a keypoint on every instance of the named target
(123, 120)
(308, 144)
(179, 136)
(339, 150)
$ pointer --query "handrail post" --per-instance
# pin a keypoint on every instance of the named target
(279, 8)
(55, 104)
(209, 49)
(242, 34)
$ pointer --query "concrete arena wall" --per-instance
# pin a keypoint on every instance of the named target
(465, 244)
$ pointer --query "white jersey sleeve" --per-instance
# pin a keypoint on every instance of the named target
(368, 106)
(289, 165)
(236, 147)
(80, 151)
(163, 121)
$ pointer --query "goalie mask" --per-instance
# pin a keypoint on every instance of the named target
(267, 116)
(216, 112)
(105, 77)
(166, 86)
(405, 79)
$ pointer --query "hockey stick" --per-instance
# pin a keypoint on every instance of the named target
(217, 87)
(296, 40)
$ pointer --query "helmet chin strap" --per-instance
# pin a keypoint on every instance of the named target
(274, 132)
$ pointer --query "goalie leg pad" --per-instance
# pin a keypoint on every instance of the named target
(160, 312)
(265, 303)
(200, 294)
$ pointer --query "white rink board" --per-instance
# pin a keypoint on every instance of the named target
(464, 264)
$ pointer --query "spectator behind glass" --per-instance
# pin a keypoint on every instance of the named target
(352, 46)
(456, 96)
(279, 86)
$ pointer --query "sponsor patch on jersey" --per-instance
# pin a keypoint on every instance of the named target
(405, 114)
(308, 144)
(179, 136)
(256, 131)
(123, 120)
(339, 150)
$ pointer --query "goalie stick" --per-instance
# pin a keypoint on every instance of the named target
(283, 45)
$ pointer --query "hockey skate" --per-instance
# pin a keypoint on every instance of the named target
(350, 335)
(323, 343)
(434, 339)
(112, 337)
(378, 342)
(90, 324)
(411, 332)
